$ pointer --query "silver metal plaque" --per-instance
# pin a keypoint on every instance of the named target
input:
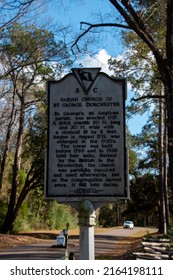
(86, 153)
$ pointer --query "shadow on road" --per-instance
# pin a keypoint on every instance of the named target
(41, 235)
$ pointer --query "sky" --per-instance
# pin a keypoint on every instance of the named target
(72, 12)
(107, 44)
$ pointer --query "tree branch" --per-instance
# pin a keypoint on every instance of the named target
(21, 9)
(148, 96)
(91, 26)
(169, 33)
(138, 26)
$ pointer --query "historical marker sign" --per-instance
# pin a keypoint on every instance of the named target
(86, 155)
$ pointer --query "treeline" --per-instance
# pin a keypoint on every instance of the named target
(36, 213)
(29, 55)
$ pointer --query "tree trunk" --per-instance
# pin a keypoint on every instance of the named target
(8, 222)
(163, 225)
(20, 200)
(166, 173)
(169, 86)
(8, 136)
(170, 142)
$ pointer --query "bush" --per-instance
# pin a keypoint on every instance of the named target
(51, 215)
(60, 215)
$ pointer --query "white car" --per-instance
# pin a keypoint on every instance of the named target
(128, 224)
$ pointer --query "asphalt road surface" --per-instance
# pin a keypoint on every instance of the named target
(104, 243)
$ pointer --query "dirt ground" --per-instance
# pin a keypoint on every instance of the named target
(124, 249)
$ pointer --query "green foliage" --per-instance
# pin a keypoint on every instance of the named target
(21, 178)
(133, 155)
(144, 202)
(21, 223)
(148, 142)
(32, 44)
(107, 216)
(138, 63)
(3, 209)
(48, 215)
(27, 53)
(170, 232)
(59, 215)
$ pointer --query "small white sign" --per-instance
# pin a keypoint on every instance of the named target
(86, 153)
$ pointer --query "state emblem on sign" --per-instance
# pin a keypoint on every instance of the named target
(86, 77)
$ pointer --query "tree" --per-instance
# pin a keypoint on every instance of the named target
(31, 176)
(12, 11)
(143, 207)
(149, 141)
(27, 52)
(139, 16)
(109, 214)
(133, 155)
(164, 58)
(139, 66)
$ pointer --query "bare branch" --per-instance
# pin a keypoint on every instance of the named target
(136, 24)
(18, 7)
(148, 96)
(91, 26)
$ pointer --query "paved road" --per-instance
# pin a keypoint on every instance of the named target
(104, 243)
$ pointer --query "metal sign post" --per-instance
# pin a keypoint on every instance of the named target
(87, 222)
(86, 153)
